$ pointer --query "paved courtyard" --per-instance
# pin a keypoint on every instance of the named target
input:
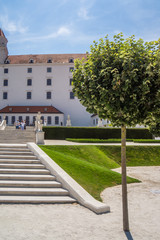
(74, 222)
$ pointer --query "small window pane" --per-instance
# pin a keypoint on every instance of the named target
(49, 120)
(71, 95)
(49, 69)
(29, 82)
(29, 95)
(29, 70)
(5, 70)
(48, 95)
(49, 82)
(5, 82)
(5, 95)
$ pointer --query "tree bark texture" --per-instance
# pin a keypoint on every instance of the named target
(124, 180)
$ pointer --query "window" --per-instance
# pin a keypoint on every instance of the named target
(42, 118)
(5, 82)
(29, 95)
(20, 118)
(10, 109)
(29, 70)
(5, 95)
(27, 121)
(49, 82)
(6, 119)
(34, 119)
(49, 69)
(5, 70)
(29, 82)
(13, 119)
(49, 120)
(71, 60)
(94, 122)
(71, 95)
(7, 61)
(48, 95)
(56, 120)
(31, 61)
(49, 61)
(71, 69)
(70, 81)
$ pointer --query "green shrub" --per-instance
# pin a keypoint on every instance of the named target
(94, 133)
(91, 140)
(146, 141)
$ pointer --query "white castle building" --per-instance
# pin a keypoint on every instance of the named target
(39, 83)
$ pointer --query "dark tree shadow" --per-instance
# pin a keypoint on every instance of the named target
(128, 235)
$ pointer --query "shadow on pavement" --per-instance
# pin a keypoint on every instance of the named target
(128, 235)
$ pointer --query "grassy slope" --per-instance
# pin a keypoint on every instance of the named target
(136, 155)
(88, 165)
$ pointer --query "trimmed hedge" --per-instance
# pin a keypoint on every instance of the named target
(94, 132)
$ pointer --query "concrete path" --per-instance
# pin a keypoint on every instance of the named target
(74, 222)
(64, 142)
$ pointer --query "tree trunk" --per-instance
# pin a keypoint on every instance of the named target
(124, 180)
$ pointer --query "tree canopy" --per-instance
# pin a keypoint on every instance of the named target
(120, 79)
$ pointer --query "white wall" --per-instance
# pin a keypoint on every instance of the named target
(61, 118)
(17, 89)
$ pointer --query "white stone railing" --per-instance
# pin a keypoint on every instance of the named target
(3, 125)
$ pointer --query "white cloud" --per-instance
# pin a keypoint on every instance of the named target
(61, 31)
(83, 13)
(11, 26)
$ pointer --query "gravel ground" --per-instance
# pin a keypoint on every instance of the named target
(72, 221)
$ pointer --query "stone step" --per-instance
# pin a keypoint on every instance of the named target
(20, 165)
(36, 199)
(19, 161)
(24, 171)
(14, 149)
(21, 146)
(15, 153)
(34, 191)
(27, 177)
(17, 157)
(29, 184)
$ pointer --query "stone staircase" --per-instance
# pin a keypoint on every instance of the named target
(24, 179)
(12, 135)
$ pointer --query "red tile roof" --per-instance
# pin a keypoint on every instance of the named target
(30, 109)
(43, 58)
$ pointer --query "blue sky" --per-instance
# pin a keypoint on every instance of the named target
(70, 26)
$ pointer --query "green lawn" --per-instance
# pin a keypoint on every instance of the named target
(91, 166)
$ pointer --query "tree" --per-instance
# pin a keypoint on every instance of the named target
(119, 81)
